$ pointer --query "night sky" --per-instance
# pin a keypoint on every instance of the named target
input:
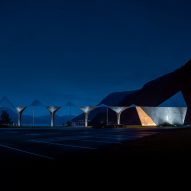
(81, 50)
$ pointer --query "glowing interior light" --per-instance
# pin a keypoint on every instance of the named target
(167, 118)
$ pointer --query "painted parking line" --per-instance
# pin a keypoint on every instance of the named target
(100, 141)
(26, 152)
(117, 138)
(32, 134)
(65, 145)
(65, 138)
(122, 137)
(91, 139)
(78, 139)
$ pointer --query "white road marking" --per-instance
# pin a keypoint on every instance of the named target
(33, 134)
(99, 141)
(65, 145)
(91, 139)
(85, 140)
(107, 140)
(113, 138)
(26, 152)
(77, 139)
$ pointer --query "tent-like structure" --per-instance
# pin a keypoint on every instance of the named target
(137, 115)
(162, 115)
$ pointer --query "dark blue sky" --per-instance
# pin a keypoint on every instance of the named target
(81, 50)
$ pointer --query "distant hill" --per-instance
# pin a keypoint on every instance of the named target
(7, 105)
(45, 120)
(27, 119)
(12, 114)
(154, 92)
(5, 102)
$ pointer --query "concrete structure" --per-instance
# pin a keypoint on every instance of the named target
(87, 110)
(157, 91)
(52, 110)
(144, 118)
(118, 111)
(156, 116)
(137, 115)
(20, 110)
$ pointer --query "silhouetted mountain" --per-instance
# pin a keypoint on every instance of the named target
(9, 107)
(45, 120)
(5, 102)
(154, 92)
(27, 119)
(36, 103)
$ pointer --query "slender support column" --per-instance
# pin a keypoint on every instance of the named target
(20, 110)
(107, 116)
(86, 119)
(118, 118)
(187, 97)
(52, 115)
(87, 110)
(52, 110)
(118, 111)
(19, 119)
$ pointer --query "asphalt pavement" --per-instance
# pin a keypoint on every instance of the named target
(53, 144)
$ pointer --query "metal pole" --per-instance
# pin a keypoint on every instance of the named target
(107, 117)
(69, 110)
(33, 117)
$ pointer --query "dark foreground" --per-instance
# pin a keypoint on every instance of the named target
(52, 147)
